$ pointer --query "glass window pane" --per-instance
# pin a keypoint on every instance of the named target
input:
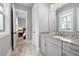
(69, 18)
(63, 26)
(63, 19)
(68, 25)
(1, 8)
(1, 22)
(63, 23)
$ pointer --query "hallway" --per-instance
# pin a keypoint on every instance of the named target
(24, 48)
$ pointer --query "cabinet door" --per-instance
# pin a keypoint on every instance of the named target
(35, 31)
(53, 50)
(66, 53)
(43, 46)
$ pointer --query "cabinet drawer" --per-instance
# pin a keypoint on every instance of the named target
(72, 48)
(54, 41)
(67, 53)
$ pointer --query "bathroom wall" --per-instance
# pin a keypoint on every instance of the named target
(43, 11)
(5, 37)
(21, 22)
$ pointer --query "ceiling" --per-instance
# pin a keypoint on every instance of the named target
(21, 14)
(25, 4)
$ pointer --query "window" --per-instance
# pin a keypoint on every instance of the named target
(65, 21)
(1, 18)
(1, 8)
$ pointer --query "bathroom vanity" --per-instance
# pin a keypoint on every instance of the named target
(59, 45)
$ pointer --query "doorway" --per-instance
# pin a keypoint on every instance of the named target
(18, 25)
(21, 24)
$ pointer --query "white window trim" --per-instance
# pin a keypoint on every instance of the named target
(7, 21)
(65, 13)
(2, 12)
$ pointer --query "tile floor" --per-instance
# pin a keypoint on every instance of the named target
(24, 48)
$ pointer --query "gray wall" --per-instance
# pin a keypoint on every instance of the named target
(43, 17)
(21, 22)
(5, 38)
(29, 19)
(5, 45)
(46, 17)
(52, 19)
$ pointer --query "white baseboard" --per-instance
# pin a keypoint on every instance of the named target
(9, 52)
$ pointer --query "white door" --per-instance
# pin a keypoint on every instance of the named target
(14, 27)
(33, 24)
(35, 29)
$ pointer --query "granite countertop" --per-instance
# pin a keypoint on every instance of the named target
(68, 39)
(71, 40)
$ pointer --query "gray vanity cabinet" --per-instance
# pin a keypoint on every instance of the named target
(53, 46)
(50, 47)
(53, 49)
(73, 50)
(43, 45)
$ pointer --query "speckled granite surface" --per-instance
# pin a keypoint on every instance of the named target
(69, 39)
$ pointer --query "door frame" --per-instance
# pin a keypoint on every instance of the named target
(12, 41)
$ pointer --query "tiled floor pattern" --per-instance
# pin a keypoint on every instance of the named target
(25, 48)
